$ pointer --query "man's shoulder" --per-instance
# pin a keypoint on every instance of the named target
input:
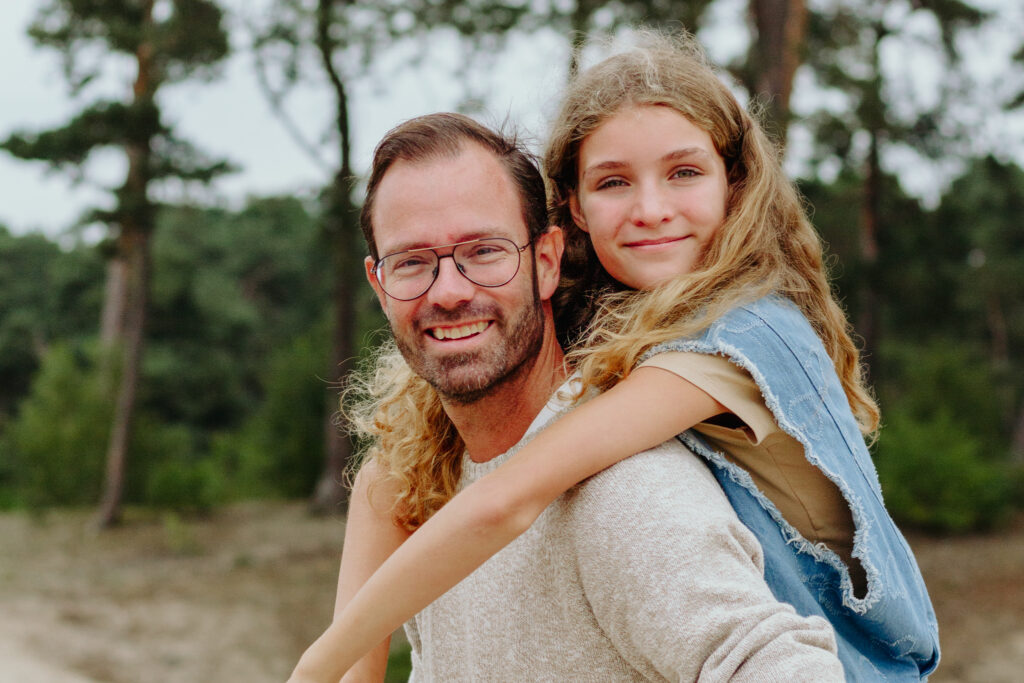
(653, 509)
(666, 478)
(670, 457)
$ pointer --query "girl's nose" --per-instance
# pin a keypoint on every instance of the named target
(650, 207)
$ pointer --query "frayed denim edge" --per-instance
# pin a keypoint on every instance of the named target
(818, 551)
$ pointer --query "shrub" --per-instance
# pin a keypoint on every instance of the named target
(935, 477)
(280, 450)
(58, 439)
(186, 486)
(55, 448)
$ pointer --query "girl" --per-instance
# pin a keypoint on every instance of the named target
(695, 284)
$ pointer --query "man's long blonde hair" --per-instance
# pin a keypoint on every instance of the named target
(766, 245)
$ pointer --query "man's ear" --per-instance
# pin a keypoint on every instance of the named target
(548, 251)
(371, 277)
(577, 213)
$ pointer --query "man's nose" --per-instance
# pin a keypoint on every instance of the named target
(451, 288)
(650, 206)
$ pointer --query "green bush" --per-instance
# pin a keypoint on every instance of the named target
(57, 441)
(186, 486)
(55, 448)
(279, 451)
(399, 664)
(920, 379)
(934, 475)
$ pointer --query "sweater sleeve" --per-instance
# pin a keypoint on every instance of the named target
(676, 581)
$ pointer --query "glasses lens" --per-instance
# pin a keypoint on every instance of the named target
(489, 262)
(408, 274)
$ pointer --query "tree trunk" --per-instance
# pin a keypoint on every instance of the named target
(1017, 443)
(781, 26)
(331, 492)
(137, 248)
(124, 316)
(868, 322)
(341, 228)
(868, 319)
(112, 317)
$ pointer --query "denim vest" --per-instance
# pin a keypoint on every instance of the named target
(889, 634)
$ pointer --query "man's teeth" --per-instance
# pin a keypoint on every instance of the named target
(458, 332)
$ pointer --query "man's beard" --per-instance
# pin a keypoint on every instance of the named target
(468, 377)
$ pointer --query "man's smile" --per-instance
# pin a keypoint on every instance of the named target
(458, 331)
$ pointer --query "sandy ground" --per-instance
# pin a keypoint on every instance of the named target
(238, 596)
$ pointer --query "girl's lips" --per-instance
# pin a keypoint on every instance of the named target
(656, 242)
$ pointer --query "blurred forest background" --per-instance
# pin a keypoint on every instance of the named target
(189, 358)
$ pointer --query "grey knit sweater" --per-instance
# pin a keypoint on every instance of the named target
(642, 572)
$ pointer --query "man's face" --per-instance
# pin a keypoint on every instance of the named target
(464, 339)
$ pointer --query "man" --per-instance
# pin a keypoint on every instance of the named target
(464, 269)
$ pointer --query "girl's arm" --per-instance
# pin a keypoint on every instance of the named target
(370, 537)
(649, 407)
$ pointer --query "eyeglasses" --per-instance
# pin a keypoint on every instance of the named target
(488, 262)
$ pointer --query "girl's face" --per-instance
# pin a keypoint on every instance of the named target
(652, 192)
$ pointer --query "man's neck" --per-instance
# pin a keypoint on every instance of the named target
(495, 423)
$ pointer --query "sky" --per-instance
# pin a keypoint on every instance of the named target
(229, 117)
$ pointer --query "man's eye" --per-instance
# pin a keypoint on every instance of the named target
(486, 252)
(409, 263)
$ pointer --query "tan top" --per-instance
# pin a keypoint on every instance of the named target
(775, 460)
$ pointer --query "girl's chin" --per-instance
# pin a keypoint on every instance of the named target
(650, 279)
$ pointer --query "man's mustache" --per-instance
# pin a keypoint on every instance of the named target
(463, 312)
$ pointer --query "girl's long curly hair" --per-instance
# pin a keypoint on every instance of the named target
(401, 421)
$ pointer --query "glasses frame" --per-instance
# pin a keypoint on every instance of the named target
(458, 266)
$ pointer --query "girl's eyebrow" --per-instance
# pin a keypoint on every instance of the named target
(609, 165)
(687, 152)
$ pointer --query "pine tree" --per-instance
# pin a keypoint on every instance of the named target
(167, 41)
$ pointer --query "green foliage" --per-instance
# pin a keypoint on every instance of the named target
(922, 380)
(238, 305)
(934, 475)
(942, 454)
(280, 449)
(99, 125)
(46, 294)
(56, 446)
(58, 441)
(985, 204)
(229, 289)
(187, 39)
(183, 484)
(399, 665)
(914, 279)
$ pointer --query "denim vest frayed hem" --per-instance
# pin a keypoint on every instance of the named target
(890, 633)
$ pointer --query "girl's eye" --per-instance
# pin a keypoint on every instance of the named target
(610, 182)
(685, 173)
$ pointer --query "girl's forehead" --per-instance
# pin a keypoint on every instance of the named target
(638, 110)
(648, 125)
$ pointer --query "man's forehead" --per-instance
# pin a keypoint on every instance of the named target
(446, 199)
